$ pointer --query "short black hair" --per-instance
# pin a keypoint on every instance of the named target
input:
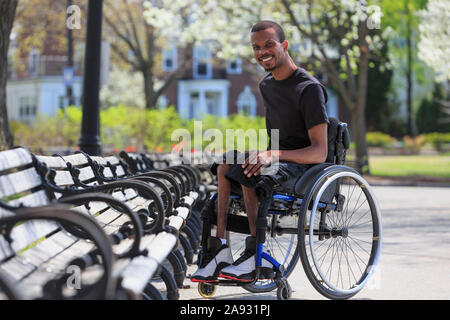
(266, 24)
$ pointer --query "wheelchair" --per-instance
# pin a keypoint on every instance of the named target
(329, 219)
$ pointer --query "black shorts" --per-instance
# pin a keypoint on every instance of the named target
(285, 177)
(288, 174)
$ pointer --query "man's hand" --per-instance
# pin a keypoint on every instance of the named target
(259, 160)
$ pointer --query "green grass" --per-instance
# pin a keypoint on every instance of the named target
(404, 166)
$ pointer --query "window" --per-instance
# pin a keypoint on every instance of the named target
(246, 102)
(202, 63)
(234, 66)
(33, 63)
(193, 104)
(213, 102)
(62, 103)
(170, 58)
(27, 108)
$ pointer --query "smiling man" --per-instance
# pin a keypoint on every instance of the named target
(294, 102)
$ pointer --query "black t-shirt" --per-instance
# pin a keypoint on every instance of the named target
(293, 105)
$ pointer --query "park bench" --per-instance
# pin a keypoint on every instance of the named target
(40, 179)
(40, 242)
(183, 194)
(90, 175)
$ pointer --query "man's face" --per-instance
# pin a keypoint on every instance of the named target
(268, 51)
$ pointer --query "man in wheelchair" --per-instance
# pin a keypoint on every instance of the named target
(295, 106)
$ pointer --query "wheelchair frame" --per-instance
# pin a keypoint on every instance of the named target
(316, 199)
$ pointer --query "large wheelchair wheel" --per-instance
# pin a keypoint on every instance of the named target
(339, 233)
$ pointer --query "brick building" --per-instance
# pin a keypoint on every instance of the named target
(214, 86)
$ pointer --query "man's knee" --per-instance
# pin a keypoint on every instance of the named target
(222, 169)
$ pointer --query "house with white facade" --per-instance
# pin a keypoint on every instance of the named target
(217, 87)
(39, 88)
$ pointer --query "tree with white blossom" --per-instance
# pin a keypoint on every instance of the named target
(434, 45)
(139, 30)
(335, 37)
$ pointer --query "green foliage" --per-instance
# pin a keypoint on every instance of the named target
(430, 115)
(439, 140)
(379, 139)
(223, 133)
(123, 126)
(378, 109)
(404, 166)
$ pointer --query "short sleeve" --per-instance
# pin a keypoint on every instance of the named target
(313, 105)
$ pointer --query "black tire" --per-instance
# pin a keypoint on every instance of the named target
(332, 237)
(284, 291)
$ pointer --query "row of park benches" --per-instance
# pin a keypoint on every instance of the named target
(90, 227)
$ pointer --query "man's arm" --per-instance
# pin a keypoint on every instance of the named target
(315, 153)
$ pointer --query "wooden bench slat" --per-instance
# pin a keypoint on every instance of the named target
(112, 159)
(120, 172)
(77, 159)
(32, 285)
(48, 248)
(63, 178)
(99, 160)
(138, 273)
(14, 158)
(31, 231)
(34, 199)
(97, 206)
(5, 249)
(54, 162)
(18, 182)
(86, 173)
(108, 173)
(16, 268)
(108, 216)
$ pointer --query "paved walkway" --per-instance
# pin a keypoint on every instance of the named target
(415, 257)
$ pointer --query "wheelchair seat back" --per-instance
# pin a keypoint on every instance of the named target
(338, 141)
(338, 144)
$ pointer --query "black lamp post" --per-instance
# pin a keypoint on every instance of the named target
(90, 125)
(69, 91)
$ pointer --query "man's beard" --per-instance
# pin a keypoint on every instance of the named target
(277, 64)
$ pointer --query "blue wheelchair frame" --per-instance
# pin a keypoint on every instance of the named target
(260, 254)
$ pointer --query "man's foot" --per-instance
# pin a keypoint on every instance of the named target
(216, 257)
(244, 268)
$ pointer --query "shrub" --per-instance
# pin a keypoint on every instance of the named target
(123, 127)
(439, 140)
(413, 144)
(379, 139)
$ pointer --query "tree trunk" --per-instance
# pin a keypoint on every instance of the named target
(7, 12)
(359, 136)
(151, 96)
(409, 72)
(359, 113)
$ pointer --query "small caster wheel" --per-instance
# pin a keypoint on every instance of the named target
(206, 290)
(284, 291)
